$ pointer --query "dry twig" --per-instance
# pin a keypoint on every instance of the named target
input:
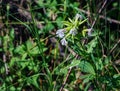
(114, 46)
(61, 89)
(6, 67)
(103, 17)
(100, 10)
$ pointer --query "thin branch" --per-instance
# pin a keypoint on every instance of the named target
(71, 51)
(114, 46)
(100, 10)
(6, 67)
(116, 68)
(61, 89)
(102, 17)
(69, 71)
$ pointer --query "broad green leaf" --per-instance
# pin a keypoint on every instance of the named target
(116, 76)
(3, 87)
(33, 80)
(64, 70)
(13, 60)
(31, 65)
(59, 21)
(20, 49)
(91, 45)
(35, 51)
(2, 70)
(48, 27)
(86, 67)
(73, 64)
(87, 78)
(24, 56)
(40, 3)
(12, 88)
(22, 63)
(29, 44)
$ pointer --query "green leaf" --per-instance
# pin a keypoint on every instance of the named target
(13, 60)
(92, 44)
(12, 34)
(24, 56)
(29, 44)
(84, 32)
(87, 78)
(73, 64)
(70, 20)
(116, 76)
(87, 86)
(3, 87)
(115, 4)
(68, 24)
(86, 67)
(12, 88)
(49, 27)
(20, 49)
(35, 51)
(33, 80)
(23, 63)
(40, 3)
(81, 22)
(59, 22)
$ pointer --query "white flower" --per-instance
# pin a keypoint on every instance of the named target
(73, 31)
(78, 16)
(60, 33)
(89, 32)
(63, 41)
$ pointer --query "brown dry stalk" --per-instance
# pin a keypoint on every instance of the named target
(102, 17)
(114, 46)
(61, 89)
(100, 10)
(6, 67)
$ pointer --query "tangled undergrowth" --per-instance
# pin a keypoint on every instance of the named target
(59, 45)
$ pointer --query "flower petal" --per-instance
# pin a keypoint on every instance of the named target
(78, 16)
(73, 31)
(60, 33)
(63, 41)
(89, 32)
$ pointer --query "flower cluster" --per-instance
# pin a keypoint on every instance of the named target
(71, 29)
(60, 34)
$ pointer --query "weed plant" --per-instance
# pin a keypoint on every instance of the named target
(59, 45)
